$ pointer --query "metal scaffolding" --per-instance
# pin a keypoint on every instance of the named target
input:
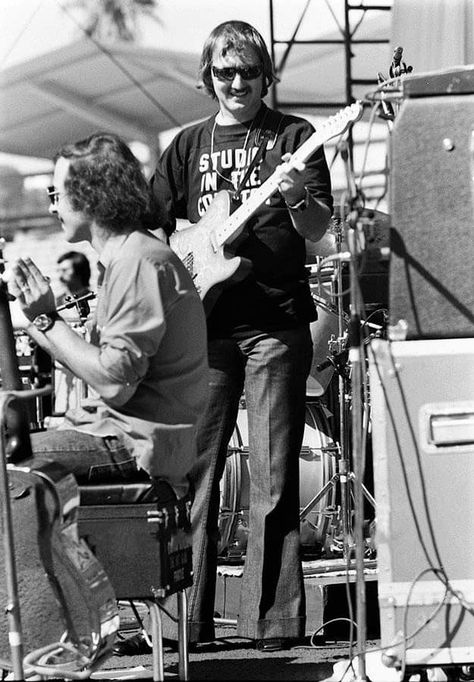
(329, 56)
(354, 15)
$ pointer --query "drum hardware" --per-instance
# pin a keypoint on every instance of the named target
(80, 302)
(35, 368)
(352, 418)
(328, 332)
(316, 467)
(69, 390)
(340, 358)
(74, 300)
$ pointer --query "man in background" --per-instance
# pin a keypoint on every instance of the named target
(74, 273)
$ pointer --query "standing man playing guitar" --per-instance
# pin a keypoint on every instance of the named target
(258, 324)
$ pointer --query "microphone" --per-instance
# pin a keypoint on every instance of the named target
(398, 67)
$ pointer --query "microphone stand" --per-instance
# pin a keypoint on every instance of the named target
(356, 358)
(357, 367)
(344, 476)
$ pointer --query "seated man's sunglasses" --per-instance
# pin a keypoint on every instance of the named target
(227, 73)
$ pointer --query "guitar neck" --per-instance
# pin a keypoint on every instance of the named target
(258, 196)
(335, 125)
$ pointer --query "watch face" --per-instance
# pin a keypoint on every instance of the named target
(43, 322)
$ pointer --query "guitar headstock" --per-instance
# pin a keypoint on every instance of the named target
(342, 120)
(332, 126)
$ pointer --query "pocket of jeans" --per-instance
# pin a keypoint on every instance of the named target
(113, 472)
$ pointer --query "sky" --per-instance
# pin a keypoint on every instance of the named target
(29, 27)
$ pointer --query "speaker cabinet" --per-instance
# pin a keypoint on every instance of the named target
(422, 411)
(431, 280)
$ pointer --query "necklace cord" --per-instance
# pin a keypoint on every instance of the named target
(256, 159)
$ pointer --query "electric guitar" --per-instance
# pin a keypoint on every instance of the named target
(201, 246)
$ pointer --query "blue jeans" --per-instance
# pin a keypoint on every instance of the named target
(272, 368)
(91, 459)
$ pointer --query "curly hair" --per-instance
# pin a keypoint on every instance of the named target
(235, 36)
(105, 181)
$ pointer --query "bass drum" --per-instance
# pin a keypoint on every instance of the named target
(317, 466)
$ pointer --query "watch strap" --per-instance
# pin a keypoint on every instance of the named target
(45, 321)
(300, 205)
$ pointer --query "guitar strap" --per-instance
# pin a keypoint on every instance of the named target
(263, 138)
(256, 159)
(273, 120)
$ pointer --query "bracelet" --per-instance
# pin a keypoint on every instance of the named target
(301, 205)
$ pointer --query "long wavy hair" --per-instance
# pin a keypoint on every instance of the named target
(235, 36)
(105, 181)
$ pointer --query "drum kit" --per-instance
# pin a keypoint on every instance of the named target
(326, 475)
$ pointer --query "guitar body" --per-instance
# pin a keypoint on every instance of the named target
(208, 263)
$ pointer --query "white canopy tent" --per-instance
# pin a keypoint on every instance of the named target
(67, 94)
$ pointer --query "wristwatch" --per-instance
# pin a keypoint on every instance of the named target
(45, 321)
(302, 204)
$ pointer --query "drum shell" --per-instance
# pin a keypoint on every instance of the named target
(317, 466)
(323, 331)
(326, 330)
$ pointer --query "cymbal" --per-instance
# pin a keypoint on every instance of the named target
(376, 227)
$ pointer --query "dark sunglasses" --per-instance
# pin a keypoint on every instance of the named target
(248, 73)
(53, 194)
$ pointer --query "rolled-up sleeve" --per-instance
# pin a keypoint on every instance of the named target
(131, 324)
